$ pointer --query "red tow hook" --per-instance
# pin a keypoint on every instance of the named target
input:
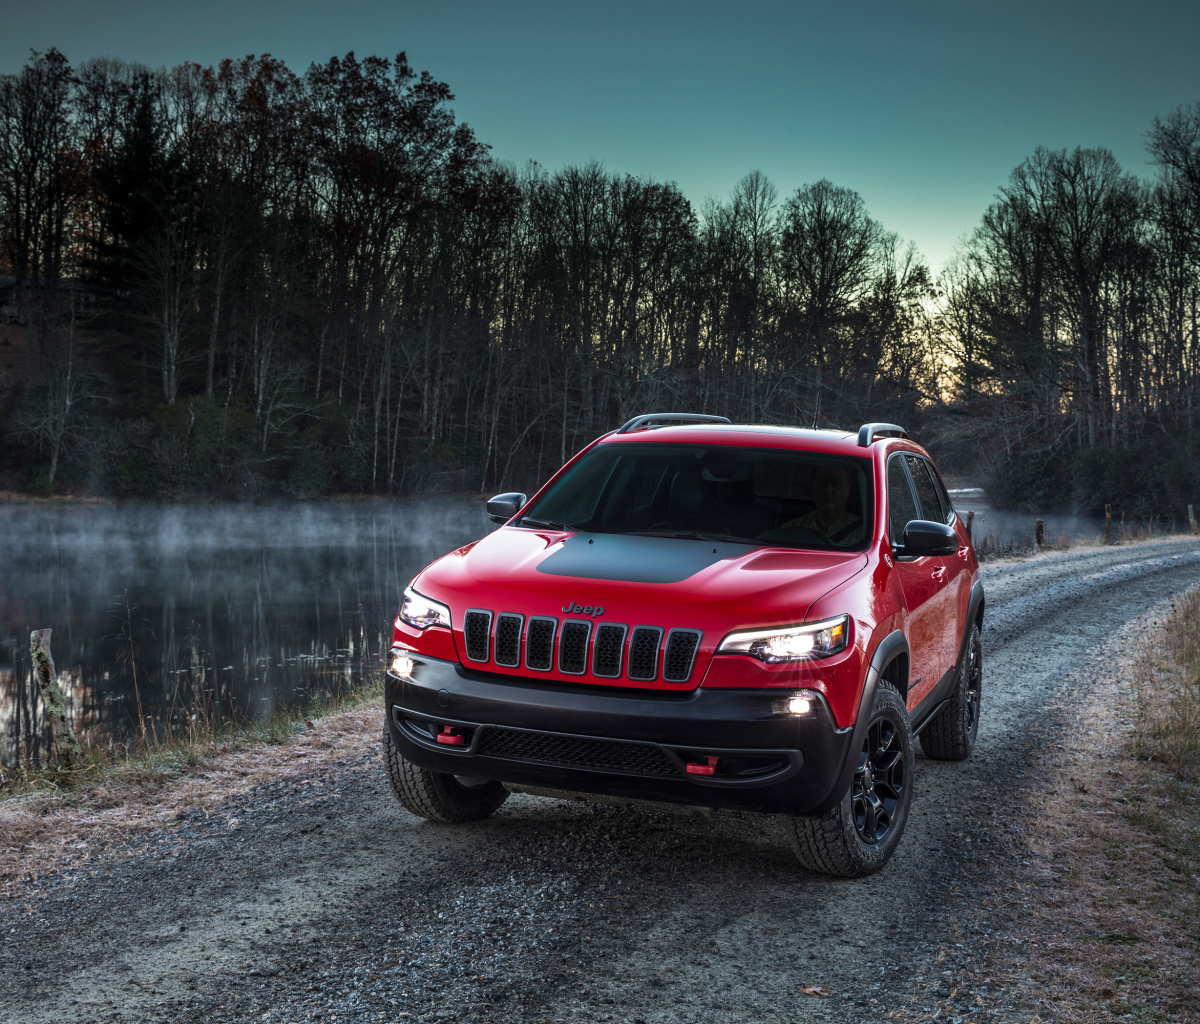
(696, 768)
(453, 739)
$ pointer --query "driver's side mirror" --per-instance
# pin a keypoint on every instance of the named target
(503, 507)
(925, 537)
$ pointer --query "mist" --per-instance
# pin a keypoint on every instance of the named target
(285, 604)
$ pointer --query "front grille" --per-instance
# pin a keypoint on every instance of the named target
(575, 751)
(539, 643)
(572, 647)
(610, 655)
(607, 650)
(643, 653)
(681, 652)
(508, 639)
(477, 628)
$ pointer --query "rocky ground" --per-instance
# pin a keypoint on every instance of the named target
(309, 894)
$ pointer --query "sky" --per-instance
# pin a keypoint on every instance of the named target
(922, 107)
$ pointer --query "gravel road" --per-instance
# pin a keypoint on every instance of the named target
(320, 898)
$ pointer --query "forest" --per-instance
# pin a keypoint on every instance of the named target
(239, 282)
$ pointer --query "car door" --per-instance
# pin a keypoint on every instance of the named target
(946, 571)
(918, 584)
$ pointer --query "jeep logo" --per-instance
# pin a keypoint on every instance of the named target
(570, 608)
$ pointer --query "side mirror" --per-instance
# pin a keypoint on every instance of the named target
(924, 537)
(503, 507)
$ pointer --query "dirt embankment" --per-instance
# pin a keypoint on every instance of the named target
(289, 886)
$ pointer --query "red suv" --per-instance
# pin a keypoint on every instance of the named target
(700, 613)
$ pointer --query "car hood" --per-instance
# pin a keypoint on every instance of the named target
(714, 587)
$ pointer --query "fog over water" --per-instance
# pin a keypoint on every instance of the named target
(282, 603)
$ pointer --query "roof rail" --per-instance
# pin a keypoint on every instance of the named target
(868, 432)
(655, 418)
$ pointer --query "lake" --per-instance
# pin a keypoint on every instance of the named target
(243, 609)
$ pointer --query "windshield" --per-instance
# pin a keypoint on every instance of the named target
(713, 492)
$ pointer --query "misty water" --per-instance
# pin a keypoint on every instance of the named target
(241, 610)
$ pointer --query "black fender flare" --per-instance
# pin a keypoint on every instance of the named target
(975, 608)
(889, 647)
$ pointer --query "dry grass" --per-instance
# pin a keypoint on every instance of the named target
(1106, 920)
(50, 819)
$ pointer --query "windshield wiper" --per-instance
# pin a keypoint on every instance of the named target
(692, 535)
(527, 521)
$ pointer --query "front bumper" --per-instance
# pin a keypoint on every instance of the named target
(621, 743)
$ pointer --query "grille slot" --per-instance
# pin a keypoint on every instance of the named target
(643, 653)
(575, 751)
(477, 629)
(608, 649)
(508, 639)
(682, 645)
(573, 647)
(539, 643)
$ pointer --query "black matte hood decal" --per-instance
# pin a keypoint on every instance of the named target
(630, 559)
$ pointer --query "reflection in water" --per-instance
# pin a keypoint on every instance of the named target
(242, 610)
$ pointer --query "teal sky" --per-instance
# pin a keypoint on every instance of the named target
(923, 107)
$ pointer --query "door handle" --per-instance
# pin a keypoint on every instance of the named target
(939, 572)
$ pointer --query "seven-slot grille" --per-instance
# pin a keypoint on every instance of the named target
(613, 648)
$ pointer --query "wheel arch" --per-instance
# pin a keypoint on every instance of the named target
(890, 664)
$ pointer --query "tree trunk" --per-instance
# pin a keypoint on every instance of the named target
(56, 712)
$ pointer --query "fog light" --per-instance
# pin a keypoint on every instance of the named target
(402, 664)
(804, 702)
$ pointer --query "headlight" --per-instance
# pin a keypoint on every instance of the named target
(421, 613)
(790, 643)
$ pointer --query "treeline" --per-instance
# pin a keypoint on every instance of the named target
(241, 282)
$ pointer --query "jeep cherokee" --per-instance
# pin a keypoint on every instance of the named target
(696, 612)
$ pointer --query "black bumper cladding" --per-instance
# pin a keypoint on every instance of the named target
(714, 748)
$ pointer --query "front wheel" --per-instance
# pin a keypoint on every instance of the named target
(451, 799)
(858, 835)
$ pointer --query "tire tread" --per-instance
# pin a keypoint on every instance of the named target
(427, 795)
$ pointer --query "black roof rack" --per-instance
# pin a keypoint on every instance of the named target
(868, 432)
(649, 418)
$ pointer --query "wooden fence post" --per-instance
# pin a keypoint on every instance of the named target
(56, 711)
(1107, 524)
(970, 523)
(1192, 519)
(1039, 532)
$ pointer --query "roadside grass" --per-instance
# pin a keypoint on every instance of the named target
(51, 820)
(158, 757)
(1106, 917)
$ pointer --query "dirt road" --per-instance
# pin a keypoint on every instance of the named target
(320, 898)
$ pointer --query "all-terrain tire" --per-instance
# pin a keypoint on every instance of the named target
(839, 842)
(437, 796)
(951, 735)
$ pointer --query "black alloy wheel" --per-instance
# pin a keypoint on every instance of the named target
(859, 833)
(879, 782)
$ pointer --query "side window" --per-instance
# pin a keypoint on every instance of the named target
(947, 507)
(901, 506)
(927, 492)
